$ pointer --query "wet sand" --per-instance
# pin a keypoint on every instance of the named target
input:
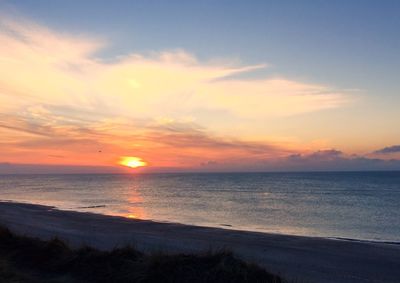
(308, 259)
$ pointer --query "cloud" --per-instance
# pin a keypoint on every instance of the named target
(334, 160)
(10, 168)
(320, 155)
(163, 143)
(43, 66)
(58, 98)
(388, 150)
(182, 135)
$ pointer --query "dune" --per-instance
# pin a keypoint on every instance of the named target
(307, 259)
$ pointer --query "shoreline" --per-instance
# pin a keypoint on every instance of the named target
(309, 259)
(220, 226)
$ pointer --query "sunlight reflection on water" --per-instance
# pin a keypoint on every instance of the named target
(350, 205)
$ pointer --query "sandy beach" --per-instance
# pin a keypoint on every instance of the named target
(308, 259)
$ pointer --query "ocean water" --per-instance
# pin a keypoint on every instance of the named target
(356, 205)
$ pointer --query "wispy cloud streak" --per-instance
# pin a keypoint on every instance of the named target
(57, 98)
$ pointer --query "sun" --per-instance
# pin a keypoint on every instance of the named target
(132, 162)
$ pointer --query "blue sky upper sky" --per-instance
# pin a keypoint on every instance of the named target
(345, 43)
(348, 49)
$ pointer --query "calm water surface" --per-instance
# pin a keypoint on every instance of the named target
(350, 205)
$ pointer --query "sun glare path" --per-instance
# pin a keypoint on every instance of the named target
(132, 162)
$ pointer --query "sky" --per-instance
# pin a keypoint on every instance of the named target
(172, 86)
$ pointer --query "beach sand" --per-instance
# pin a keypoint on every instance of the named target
(308, 259)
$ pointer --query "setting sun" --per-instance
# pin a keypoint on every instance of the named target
(133, 162)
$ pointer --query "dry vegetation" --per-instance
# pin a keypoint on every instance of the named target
(25, 259)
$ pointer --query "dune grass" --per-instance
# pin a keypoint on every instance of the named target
(25, 259)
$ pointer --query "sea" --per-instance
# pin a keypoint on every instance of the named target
(343, 205)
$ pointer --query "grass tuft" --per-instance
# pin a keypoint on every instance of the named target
(26, 259)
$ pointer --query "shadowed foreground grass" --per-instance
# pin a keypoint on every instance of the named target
(25, 259)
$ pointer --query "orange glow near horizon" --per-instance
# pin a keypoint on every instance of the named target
(132, 162)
